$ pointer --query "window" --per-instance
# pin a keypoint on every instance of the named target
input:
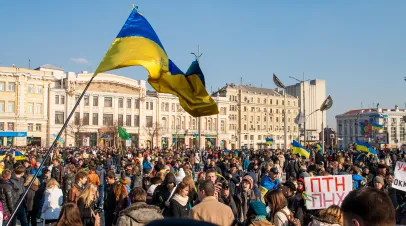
(245, 137)
(56, 99)
(95, 120)
(38, 127)
(2, 106)
(11, 86)
(128, 120)
(210, 126)
(137, 104)
(86, 100)
(38, 108)
(149, 121)
(120, 103)
(259, 137)
(10, 107)
(252, 137)
(277, 102)
(245, 126)
(39, 89)
(173, 107)
(30, 88)
(30, 127)
(108, 119)
(120, 120)
(2, 86)
(1, 126)
(76, 98)
(193, 124)
(95, 101)
(10, 126)
(149, 105)
(222, 126)
(128, 103)
(59, 117)
(258, 127)
(85, 119)
(62, 100)
(77, 118)
(163, 123)
(136, 120)
(108, 102)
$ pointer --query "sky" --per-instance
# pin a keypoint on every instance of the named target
(358, 47)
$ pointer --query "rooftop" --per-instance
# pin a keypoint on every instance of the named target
(368, 110)
(49, 66)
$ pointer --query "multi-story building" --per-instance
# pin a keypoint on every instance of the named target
(24, 104)
(257, 113)
(110, 101)
(357, 125)
(311, 95)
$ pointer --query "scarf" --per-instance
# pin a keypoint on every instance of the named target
(259, 218)
(181, 200)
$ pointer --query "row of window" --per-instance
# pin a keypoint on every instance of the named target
(8, 125)
(265, 100)
(10, 106)
(11, 87)
(263, 137)
(31, 127)
(108, 102)
(174, 107)
(108, 119)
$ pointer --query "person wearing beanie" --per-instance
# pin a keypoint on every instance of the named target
(379, 183)
(257, 214)
(245, 194)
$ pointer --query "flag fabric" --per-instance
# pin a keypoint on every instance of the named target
(268, 141)
(122, 133)
(137, 44)
(60, 140)
(173, 143)
(196, 136)
(299, 118)
(366, 147)
(210, 142)
(19, 156)
(319, 146)
(297, 148)
(376, 126)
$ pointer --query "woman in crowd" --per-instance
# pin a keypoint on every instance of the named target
(179, 205)
(332, 216)
(86, 204)
(53, 202)
(192, 190)
(69, 216)
(30, 200)
(123, 201)
(279, 208)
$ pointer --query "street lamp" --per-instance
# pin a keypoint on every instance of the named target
(279, 84)
(324, 107)
(199, 128)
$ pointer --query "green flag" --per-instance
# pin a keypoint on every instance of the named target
(122, 133)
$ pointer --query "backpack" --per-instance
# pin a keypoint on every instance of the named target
(292, 220)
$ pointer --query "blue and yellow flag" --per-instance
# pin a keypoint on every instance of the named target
(137, 44)
(366, 147)
(376, 126)
(19, 156)
(210, 142)
(319, 146)
(297, 148)
(268, 141)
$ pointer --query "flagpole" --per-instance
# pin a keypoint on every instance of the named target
(49, 151)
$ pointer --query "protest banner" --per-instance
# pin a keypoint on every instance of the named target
(400, 176)
(327, 190)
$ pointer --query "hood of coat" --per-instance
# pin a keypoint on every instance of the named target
(169, 178)
(142, 212)
(317, 222)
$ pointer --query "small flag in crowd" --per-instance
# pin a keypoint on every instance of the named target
(299, 149)
(122, 133)
(319, 146)
(210, 142)
(19, 156)
(268, 141)
(365, 146)
(376, 126)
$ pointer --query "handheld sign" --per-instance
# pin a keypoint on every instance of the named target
(400, 176)
(327, 190)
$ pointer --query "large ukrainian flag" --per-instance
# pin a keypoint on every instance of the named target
(297, 148)
(137, 44)
(365, 146)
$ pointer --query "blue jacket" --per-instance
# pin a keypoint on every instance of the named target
(356, 179)
(270, 185)
(245, 164)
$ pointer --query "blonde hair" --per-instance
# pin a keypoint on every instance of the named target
(87, 195)
(189, 181)
(52, 183)
(331, 215)
(28, 180)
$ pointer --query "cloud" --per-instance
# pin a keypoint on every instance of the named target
(80, 60)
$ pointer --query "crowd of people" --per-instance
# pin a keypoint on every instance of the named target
(110, 186)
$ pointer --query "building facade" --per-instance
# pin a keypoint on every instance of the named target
(24, 104)
(311, 95)
(357, 125)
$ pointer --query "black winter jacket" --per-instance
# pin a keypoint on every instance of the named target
(18, 185)
(162, 193)
(177, 210)
(7, 196)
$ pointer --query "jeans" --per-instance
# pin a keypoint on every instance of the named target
(21, 215)
(100, 200)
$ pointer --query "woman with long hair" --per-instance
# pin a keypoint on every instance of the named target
(330, 216)
(123, 201)
(280, 212)
(69, 216)
(192, 189)
(30, 200)
(86, 204)
(179, 206)
(53, 202)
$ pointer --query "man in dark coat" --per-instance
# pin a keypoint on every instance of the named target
(7, 195)
(109, 199)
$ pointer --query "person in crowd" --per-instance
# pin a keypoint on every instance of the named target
(180, 206)
(7, 195)
(53, 202)
(289, 190)
(68, 180)
(122, 192)
(280, 213)
(271, 182)
(101, 172)
(30, 199)
(163, 191)
(87, 205)
(92, 175)
(57, 171)
(78, 187)
(138, 213)
(358, 209)
(17, 179)
(192, 190)
(233, 178)
(8, 162)
(228, 199)
(256, 215)
(245, 194)
(332, 216)
(210, 209)
(110, 199)
(69, 215)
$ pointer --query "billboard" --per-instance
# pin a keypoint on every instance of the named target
(381, 138)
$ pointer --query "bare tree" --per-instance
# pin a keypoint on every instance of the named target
(74, 129)
(112, 130)
(152, 132)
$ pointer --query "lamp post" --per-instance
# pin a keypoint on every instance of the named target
(279, 84)
(324, 107)
(199, 128)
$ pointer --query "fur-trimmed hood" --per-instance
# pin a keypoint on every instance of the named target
(327, 222)
(139, 213)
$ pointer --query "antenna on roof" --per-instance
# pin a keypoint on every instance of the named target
(29, 63)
